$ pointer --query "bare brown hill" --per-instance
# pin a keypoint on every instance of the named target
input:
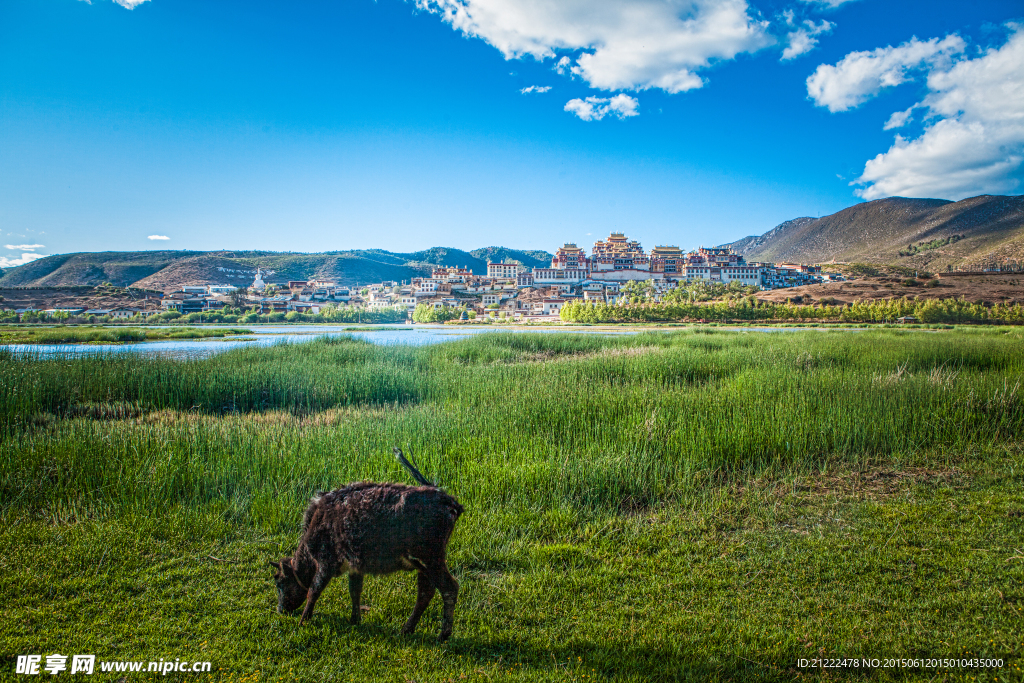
(107, 297)
(926, 234)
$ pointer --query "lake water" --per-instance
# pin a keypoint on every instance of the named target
(264, 335)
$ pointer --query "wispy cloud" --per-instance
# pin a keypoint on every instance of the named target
(596, 108)
(27, 257)
(535, 88)
(158, 237)
(826, 4)
(24, 247)
(805, 38)
(127, 4)
(899, 118)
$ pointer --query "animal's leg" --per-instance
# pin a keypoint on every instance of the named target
(449, 587)
(424, 594)
(355, 590)
(320, 581)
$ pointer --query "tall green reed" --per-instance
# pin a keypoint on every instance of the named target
(501, 420)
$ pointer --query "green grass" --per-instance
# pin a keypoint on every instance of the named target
(698, 505)
(104, 335)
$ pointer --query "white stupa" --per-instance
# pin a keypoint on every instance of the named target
(258, 285)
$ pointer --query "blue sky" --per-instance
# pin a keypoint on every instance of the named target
(404, 125)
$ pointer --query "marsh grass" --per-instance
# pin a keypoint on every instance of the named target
(664, 506)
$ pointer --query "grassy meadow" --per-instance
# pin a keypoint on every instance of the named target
(86, 334)
(694, 505)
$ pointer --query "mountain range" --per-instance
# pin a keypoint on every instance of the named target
(169, 270)
(926, 234)
(916, 233)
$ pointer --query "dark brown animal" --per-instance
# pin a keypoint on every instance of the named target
(370, 528)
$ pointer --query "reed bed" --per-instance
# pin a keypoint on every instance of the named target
(503, 420)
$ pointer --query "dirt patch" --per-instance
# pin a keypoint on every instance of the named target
(332, 417)
(990, 289)
(877, 483)
(42, 298)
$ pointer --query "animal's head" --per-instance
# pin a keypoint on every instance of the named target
(290, 592)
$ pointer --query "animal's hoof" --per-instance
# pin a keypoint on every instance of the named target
(408, 630)
(444, 636)
(355, 620)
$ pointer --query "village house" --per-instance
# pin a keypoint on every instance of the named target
(274, 304)
(451, 274)
(722, 266)
(505, 269)
(552, 306)
(303, 307)
(492, 298)
(428, 286)
(129, 313)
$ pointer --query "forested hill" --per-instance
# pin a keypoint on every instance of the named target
(169, 270)
(918, 233)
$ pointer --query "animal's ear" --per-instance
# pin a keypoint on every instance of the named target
(274, 565)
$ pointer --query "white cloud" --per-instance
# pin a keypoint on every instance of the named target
(129, 4)
(804, 39)
(27, 257)
(158, 237)
(535, 88)
(826, 4)
(975, 143)
(860, 76)
(24, 247)
(613, 44)
(596, 108)
(899, 118)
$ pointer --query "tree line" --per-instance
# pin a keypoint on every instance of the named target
(950, 311)
(328, 314)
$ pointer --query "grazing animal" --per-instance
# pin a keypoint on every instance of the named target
(369, 528)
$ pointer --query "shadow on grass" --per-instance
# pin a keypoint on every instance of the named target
(677, 661)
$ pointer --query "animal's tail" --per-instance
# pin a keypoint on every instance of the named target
(412, 470)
